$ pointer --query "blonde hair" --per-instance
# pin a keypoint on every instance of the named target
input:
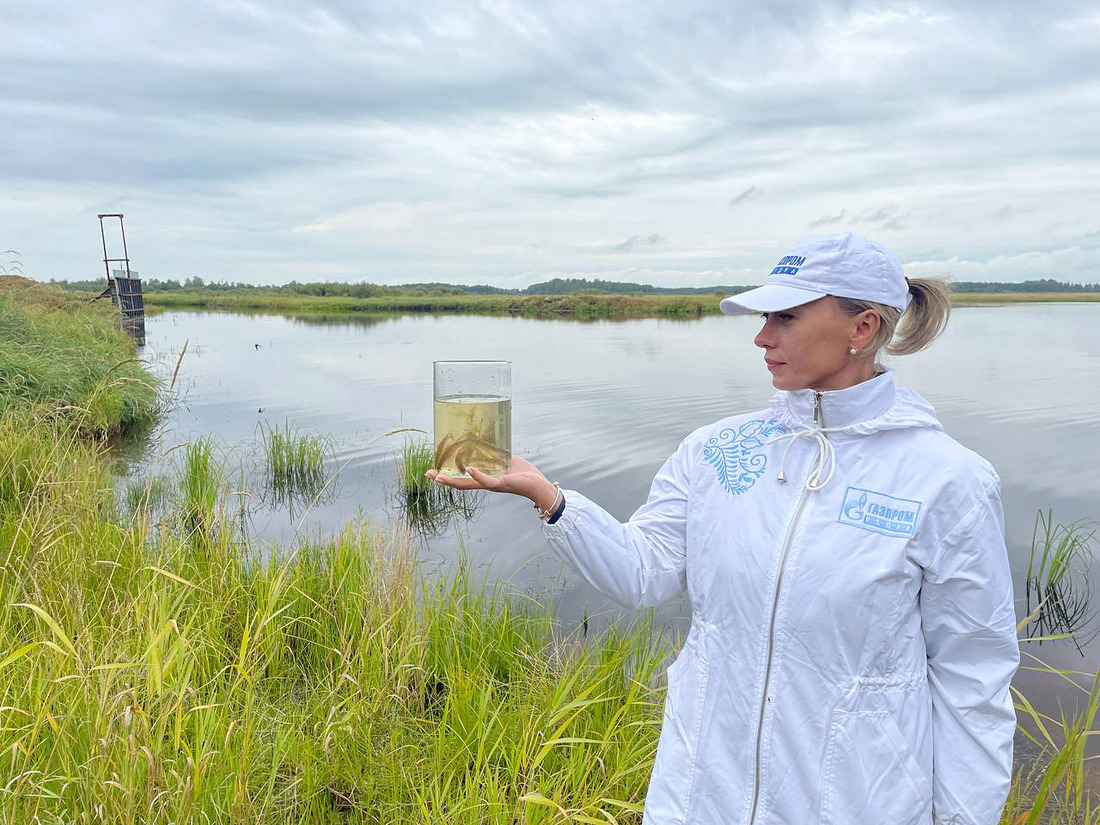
(922, 322)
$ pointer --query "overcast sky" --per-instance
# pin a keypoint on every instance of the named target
(506, 143)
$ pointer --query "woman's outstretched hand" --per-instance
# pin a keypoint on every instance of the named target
(522, 479)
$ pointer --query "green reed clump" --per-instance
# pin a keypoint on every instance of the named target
(294, 461)
(200, 481)
(1058, 585)
(64, 356)
(429, 507)
(152, 495)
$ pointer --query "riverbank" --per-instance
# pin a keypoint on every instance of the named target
(63, 356)
(575, 305)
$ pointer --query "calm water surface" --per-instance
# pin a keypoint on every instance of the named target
(599, 406)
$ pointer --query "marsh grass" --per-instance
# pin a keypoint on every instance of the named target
(573, 306)
(150, 496)
(429, 508)
(151, 678)
(294, 464)
(1058, 586)
(201, 485)
(64, 357)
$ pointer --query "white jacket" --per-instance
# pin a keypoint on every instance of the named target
(851, 647)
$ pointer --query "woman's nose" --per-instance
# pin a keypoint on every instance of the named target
(763, 338)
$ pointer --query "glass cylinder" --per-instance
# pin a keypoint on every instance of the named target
(473, 416)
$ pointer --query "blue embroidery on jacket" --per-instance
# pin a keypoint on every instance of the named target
(733, 453)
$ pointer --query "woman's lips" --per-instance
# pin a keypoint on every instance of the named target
(773, 365)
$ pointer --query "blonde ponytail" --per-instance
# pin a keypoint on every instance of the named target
(925, 318)
(922, 322)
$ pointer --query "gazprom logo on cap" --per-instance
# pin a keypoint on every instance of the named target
(789, 265)
(879, 512)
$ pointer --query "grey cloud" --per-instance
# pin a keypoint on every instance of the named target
(636, 241)
(745, 195)
(884, 217)
(827, 220)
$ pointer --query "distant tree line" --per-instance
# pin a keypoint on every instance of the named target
(1041, 285)
(557, 286)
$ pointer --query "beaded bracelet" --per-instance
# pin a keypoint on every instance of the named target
(549, 511)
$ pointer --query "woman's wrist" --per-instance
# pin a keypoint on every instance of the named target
(546, 497)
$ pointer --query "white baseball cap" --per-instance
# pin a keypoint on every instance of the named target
(847, 266)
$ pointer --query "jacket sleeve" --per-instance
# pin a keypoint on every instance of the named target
(969, 624)
(639, 563)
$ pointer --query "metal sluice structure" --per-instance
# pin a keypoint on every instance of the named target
(123, 285)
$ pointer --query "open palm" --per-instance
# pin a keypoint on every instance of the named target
(521, 479)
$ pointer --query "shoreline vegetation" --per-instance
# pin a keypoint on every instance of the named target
(159, 666)
(584, 306)
(572, 298)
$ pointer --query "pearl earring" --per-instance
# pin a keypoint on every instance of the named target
(853, 351)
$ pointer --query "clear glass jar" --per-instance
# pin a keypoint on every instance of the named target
(473, 416)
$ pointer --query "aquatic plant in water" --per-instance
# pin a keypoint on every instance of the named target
(1058, 586)
(429, 507)
(295, 465)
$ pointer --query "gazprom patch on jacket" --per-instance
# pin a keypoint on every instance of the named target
(879, 512)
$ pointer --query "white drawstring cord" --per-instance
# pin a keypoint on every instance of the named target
(826, 455)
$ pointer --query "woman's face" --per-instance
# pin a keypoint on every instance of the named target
(807, 347)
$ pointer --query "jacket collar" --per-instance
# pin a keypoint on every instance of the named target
(839, 408)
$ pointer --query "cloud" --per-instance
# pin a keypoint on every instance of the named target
(827, 220)
(636, 241)
(879, 217)
(1074, 264)
(882, 217)
(429, 141)
(745, 195)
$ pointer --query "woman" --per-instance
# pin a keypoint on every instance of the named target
(853, 633)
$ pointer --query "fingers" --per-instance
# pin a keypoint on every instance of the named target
(477, 481)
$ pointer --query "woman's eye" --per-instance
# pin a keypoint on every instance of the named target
(785, 316)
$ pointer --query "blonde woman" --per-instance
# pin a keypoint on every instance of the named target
(853, 630)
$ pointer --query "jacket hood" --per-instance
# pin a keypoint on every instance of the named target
(867, 407)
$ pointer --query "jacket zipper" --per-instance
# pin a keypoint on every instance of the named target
(818, 420)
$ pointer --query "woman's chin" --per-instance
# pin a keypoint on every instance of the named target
(783, 382)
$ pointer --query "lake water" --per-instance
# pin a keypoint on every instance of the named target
(598, 406)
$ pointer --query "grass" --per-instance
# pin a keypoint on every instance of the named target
(429, 508)
(1058, 585)
(294, 463)
(585, 306)
(63, 356)
(150, 678)
(200, 482)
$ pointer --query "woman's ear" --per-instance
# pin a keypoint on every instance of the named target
(867, 324)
